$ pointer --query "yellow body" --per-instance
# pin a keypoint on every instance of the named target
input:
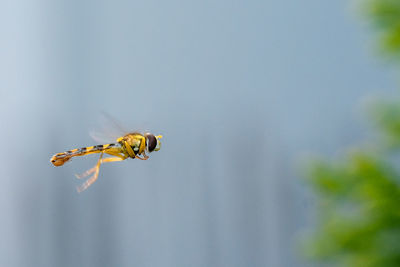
(132, 145)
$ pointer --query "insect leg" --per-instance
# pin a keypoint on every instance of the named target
(112, 159)
(117, 154)
(118, 157)
(96, 169)
(86, 173)
(129, 150)
(144, 158)
(93, 178)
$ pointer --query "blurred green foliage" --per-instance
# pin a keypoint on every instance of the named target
(358, 196)
(385, 14)
(359, 211)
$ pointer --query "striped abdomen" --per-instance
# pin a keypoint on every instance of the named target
(60, 158)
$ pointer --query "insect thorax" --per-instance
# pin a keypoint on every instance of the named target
(135, 141)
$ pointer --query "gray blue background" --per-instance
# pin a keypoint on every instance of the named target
(243, 92)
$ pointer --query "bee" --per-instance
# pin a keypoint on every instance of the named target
(132, 145)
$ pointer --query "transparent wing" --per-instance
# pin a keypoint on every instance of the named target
(110, 129)
(113, 122)
(103, 138)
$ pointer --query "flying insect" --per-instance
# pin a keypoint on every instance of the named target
(132, 145)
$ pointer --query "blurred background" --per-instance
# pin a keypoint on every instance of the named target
(242, 91)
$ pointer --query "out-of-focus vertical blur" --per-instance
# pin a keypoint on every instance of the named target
(358, 195)
(240, 91)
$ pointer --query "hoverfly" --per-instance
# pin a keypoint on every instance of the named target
(132, 145)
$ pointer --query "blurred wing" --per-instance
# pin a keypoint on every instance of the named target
(110, 129)
(113, 123)
(103, 138)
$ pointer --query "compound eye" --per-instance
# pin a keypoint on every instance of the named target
(151, 142)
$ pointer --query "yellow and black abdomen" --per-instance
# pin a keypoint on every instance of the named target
(60, 158)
